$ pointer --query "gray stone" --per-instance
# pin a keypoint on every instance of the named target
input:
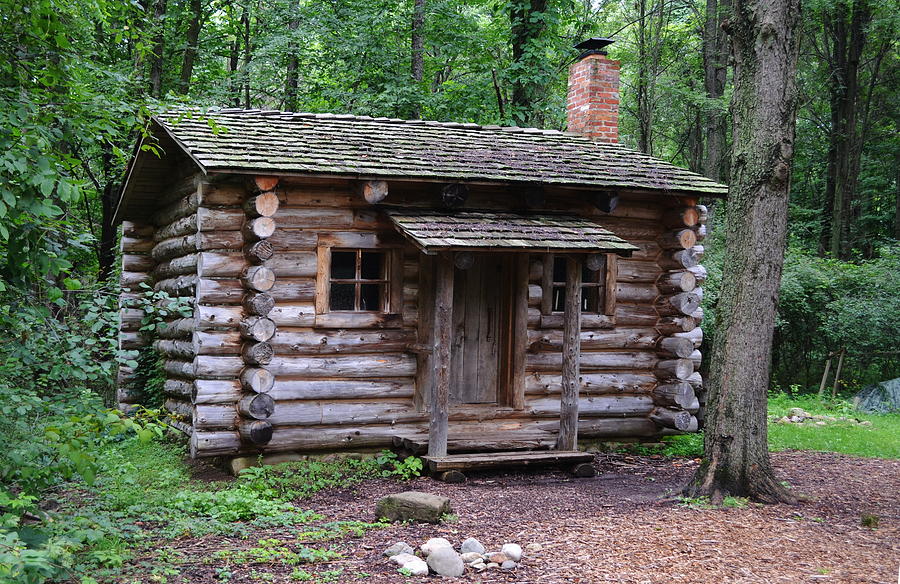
(401, 547)
(513, 551)
(446, 562)
(471, 545)
(413, 505)
(416, 567)
(401, 559)
(508, 565)
(533, 547)
(434, 543)
(471, 557)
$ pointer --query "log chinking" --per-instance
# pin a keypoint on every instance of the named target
(256, 329)
(677, 305)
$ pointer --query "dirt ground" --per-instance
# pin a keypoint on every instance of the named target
(624, 526)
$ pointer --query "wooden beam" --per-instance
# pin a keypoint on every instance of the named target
(443, 333)
(519, 341)
(568, 411)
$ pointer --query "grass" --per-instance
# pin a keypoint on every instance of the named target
(881, 439)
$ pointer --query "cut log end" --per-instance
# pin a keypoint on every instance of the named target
(263, 205)
(259, 228)
(259, 303)
(260, 328)
(257, 380)
(261, 251)
(258, 278)
(674, 419)
(257, 406)
(374, 191)
(260, 353)
(257, 432)
(265, 183)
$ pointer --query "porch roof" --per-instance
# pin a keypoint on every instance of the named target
(434, 231)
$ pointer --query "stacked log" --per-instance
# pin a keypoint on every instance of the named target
(256, 329)
(678, 307)
(137, 264)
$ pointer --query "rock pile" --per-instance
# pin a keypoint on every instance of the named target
(800, 416)
(441, 557)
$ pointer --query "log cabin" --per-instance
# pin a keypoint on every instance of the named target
(360, 283)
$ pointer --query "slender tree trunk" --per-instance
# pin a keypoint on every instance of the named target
(245, 68)
(291, 82)
(417, 64)
(642, 91)
(527, 27)
(897, 200)
(191, 48)
(234, 81)
(736, 458)
(159, 40)
(715, 69)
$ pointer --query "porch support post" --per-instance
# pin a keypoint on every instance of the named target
(443, 331)
(571, 349)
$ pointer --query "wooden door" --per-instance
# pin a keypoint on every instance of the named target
(480, 313)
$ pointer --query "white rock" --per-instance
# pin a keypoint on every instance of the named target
(471, 557)
(434, 543)
(492, 565)
(401, 559)
(512, 550)
(416, 567)
(445, 561)
(471, 545)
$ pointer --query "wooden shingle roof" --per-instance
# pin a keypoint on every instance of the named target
(255, 141)
(434, 231)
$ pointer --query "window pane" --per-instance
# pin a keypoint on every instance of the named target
(343, 265)
(559, 269)
(589, 275)
(371, 265)
(370, 297)
(558, 303)
(590, 296)
(342, 296)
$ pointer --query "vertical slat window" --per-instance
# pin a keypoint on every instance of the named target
(357, 280)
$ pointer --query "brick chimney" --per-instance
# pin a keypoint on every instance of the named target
(592, 103)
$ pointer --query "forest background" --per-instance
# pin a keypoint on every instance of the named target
(79, 80)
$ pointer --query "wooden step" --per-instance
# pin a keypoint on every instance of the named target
(489, 460)
(501, 441)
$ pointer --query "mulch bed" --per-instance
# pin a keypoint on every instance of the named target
(624, 526)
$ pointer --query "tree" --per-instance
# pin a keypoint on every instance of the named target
(528, 23)
(192, 38)
(715, 77)
(417, 62)
(736, 459)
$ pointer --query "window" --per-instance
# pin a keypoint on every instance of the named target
(592, 287)
(357, 280)
(596, 285)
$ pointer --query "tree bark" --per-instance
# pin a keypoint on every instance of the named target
(190, 49)
(291, 82)
(736, 457)
(417, 65)
(715, 76)
(159, 39)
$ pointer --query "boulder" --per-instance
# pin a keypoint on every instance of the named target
(513, 551)
(416, 567)
(414, 506)
(400, 547)
(401, 559)
(446, 562)
(471, 545)
(434, 543)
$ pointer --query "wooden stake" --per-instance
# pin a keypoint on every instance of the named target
(825, 376)
(837, 373)
(568, 409)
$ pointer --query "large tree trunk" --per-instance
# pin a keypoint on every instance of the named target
(527, 27)
(190, 49)
(417, 65)
(159, 39)
(715, 69)
(736, 457)
(248, 55)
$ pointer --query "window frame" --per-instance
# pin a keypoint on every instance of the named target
(604, 284)
(390, 315)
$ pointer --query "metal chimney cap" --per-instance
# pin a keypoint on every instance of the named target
(594, 45)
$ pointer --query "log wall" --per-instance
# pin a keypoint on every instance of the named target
(257, 369)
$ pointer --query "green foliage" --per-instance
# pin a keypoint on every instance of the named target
(728, 502)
